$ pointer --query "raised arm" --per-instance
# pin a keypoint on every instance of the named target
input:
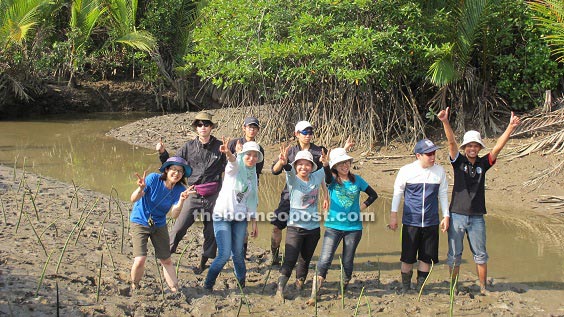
(514, 121)
(282, 159)
(177, 208)
(140, 191)
(452, 146)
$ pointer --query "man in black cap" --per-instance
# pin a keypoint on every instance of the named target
(251, 127)
(208, 164)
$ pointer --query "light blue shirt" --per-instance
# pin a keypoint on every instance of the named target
(303, 199)
(344, 212)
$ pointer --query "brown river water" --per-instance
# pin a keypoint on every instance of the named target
(76, 149)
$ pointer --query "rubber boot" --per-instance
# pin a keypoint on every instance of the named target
(275, 259)
(282, 281)
(421, 276)
(406, 281)
(245, 247)
(202, 267)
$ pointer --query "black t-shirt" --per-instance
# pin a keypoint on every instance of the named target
(468, 193)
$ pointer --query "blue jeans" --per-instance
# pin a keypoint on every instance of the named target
(475, 228)
(331, 241)
(230, 237)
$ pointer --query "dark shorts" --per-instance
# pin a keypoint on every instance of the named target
(159, 237)
(282, 213)
(419, 243)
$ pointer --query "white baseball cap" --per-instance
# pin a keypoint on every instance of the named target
(302, 125)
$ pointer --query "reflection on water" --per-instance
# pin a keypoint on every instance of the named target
(72, 149)
(517, 253)
(77, 150)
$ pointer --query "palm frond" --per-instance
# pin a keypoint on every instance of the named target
(140, 40)
(18, 19)
(549, 15)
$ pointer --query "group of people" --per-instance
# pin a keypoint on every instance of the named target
(219, 180)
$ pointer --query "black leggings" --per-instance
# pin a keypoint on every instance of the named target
(299, 242)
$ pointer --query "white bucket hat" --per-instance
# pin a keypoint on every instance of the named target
(338, 155)
(472, 136)
(252, 146)
(304, 155)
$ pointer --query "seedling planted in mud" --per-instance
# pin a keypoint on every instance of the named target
(182, 254)
(342, 284)
(358, 302)
(243, 297)
(43, 272)
(425, 281)
(99, 278)
(3, 212)
(452, 289)
(85, 219)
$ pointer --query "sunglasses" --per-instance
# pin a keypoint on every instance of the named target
(306, 132)
(203, 124)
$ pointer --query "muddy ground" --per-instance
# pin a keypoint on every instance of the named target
(47, 225)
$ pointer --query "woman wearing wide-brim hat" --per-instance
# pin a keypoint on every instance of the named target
(155, 196)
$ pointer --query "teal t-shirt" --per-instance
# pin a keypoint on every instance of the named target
(344, 212)
(303, 199)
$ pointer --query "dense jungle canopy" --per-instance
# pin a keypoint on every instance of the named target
(382, 68)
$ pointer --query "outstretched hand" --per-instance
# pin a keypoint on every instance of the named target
(189, 191)
(324, 158)
(160, 147)
(283, 156)
(141, 180)
(238, 146)
(349, 144)
(514, 121)
(223, 148)
(443, 114)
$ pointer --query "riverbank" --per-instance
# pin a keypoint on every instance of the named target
(101, 232)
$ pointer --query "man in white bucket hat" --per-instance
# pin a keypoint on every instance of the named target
(468, 203)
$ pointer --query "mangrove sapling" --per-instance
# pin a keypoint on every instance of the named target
(452, 289)
(37, 189)
(342, 284)
(425, 281)
(240, 306)
(109, 251)
(35, 232)
(85, 219)
(74, 195)
(368, 304)
(379, 273)
(3, 212)
(65, 247)
(21, 211)
(242, 293)
(266, 278)
(43, 272)
(358, 302)
(99, 277)
(182, 254)
(15, 167)
(52, 224)
(34, 206)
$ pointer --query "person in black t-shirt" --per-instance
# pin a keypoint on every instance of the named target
(468, 203)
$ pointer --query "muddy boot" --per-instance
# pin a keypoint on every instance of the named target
(406, 282)
(202, 267)
(317, 282)
(245, 247)
(282, 281)
(275, 260)
(421, 276)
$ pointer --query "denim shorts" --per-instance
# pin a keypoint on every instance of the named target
(475, 228)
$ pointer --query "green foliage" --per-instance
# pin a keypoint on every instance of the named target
(305, 42)
(549, 15)
(522, 67)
